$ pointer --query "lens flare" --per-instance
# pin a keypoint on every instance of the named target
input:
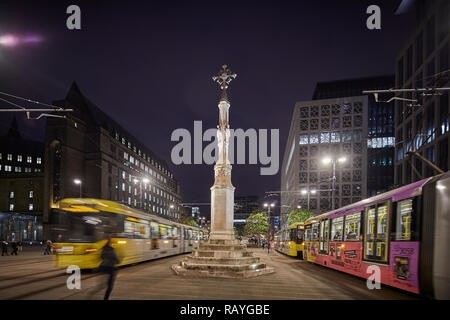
(11, 40)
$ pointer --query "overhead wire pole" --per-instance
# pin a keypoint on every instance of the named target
(425, 92)
(29, 110)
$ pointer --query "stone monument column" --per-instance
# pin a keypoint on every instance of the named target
(222, 255)
(222, 192)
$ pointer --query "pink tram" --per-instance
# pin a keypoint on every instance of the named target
(404, 232)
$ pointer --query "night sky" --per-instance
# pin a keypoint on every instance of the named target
(149, 65)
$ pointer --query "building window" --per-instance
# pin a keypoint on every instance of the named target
(9, 157)
(29, 159)
(18, 169)
(30, 195)
(8, 168)
(303, 139)
(38, 160)
(11, 195)
(11, 207)
(19, 158)
(30, 207)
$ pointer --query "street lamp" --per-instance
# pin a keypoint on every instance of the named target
(171, 211)
(326, 161)
(78, 181)
(307, 192)
(268, 206)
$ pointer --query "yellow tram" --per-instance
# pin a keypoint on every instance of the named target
(80, 227)
(290, 240)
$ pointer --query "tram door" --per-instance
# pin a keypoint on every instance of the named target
(376, 232)
(183, 237)
(323, 236)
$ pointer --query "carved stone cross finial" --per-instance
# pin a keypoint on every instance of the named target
(224, 77)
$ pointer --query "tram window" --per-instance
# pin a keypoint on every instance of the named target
(154, 226)
(189, 234)
(165, 231)
(352, 226)
(308, 235)
(300, 235)
(337, 225)
(315, 232)
(175, 233)
(404, 220)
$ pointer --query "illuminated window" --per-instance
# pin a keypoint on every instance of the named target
(29, 159)
(9, 157)
(11, 206)
(30, 207)
(30, 194)
(325, 137)
(352, 227)
(335, 137)
(38, 160)
(337, 225)
(11, 195)
(314, 138)
(404, 220)
(303, 139)
(19, 158)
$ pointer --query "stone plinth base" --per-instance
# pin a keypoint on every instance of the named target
(221, 259)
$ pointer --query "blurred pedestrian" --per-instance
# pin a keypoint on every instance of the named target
(19, 245)
(4, 248)
(48, 247)
(14, 248)
(108, 266)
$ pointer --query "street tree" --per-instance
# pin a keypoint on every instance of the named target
(299, 215)
(189, 221)
(257, 225)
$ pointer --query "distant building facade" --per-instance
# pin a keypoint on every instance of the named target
(325, 128)
(21, 187)
(244, 207)
(111, 164)
(423, 63)
(380, 131)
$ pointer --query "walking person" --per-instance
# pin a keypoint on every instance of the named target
(48, 247)
(19, 245)
(14, 248)
(4, 248)
(108, 266)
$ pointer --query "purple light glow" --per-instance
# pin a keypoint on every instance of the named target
(10, 40)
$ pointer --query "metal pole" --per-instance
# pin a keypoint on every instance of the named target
(307, 199)
(268, 231)
(334, 182)
(431, 164)
(80, 188)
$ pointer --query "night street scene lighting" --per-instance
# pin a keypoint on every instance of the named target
(225, 159)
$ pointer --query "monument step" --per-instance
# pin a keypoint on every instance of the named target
(222, 267)
(224, 261)
(179, 270)
(221, 247)
(223, 242)
(222, 254)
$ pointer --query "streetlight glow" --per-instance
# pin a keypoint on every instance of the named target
(304, 191)
(77, 181)
(326, 160)
(313, 191)
(342, 159)
(145, 180)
